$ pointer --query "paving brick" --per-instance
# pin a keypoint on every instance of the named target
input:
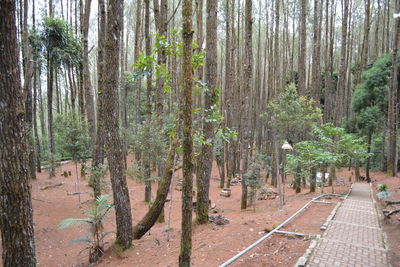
(354, 237)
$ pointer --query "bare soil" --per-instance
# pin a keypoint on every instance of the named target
(212, 244)
(390, 226)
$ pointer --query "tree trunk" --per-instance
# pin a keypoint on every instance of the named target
(157, 207)
(367, 166)
(16, 222)
(277, 62)
(110, 112)
(87, 85)
(313, 181)
(392, 107)
(341, 85)
(367, 26)
(228, 88)
(35, 126)
(329, 86)
(302, 54)
(245, 121)
(316, 65)
(50, 82)
(98, 152)
(147, 163)
(161, 23)
(138, 87)
(297, 181)
(210, 100)
(187, 143)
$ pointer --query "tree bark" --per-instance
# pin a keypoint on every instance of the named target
(302, 53)
(316, 62)
(50, 82)
(110, 112)
(145, 224)
(187, 143)
(228, 88)
(147, 163)
(329, 38)
(16, 222)
(367, 26)
(248, 72)
(98, 152)
(87, 85)
(210, 99)
(276, 61)
(341, 85)
(392, 106)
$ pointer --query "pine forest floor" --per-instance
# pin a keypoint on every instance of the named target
(212, 244)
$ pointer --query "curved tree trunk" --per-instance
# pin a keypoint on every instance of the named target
(157, 207)
(16, 222)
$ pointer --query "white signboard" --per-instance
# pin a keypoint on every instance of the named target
(319, 177)
(327, 177)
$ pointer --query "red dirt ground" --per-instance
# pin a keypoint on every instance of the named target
(212, 245)
(390, 226)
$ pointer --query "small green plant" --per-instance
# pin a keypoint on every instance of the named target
(253, 175)
(94, 221)
(383, 191)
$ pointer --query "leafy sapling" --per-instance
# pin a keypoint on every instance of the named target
(94, 221)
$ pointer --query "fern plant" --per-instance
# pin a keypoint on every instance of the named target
(383, 191)
(95, 219)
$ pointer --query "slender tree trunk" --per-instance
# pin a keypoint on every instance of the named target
(228, 88)
(87, 85)
(367, 26)
(187, 143)
(316, 65)
(313, 181)
(147, 160)
(376, 34)
(50, 82)
(277, 63)
(161, 23)
(367, 167)
(98, 152)
(329, 86)
(392, 107)
(341, 85)
(210, 100)
(248, 72)
(199, 40)
(138, 84)
(35, 126)
(17, 238)
(302, 54)
(110, 113)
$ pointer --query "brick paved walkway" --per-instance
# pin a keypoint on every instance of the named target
(353, 237)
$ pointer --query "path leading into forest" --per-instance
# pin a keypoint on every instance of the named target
(354, 236)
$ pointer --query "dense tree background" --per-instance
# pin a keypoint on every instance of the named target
(230, 79)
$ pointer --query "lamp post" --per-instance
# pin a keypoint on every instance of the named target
(281, 182)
